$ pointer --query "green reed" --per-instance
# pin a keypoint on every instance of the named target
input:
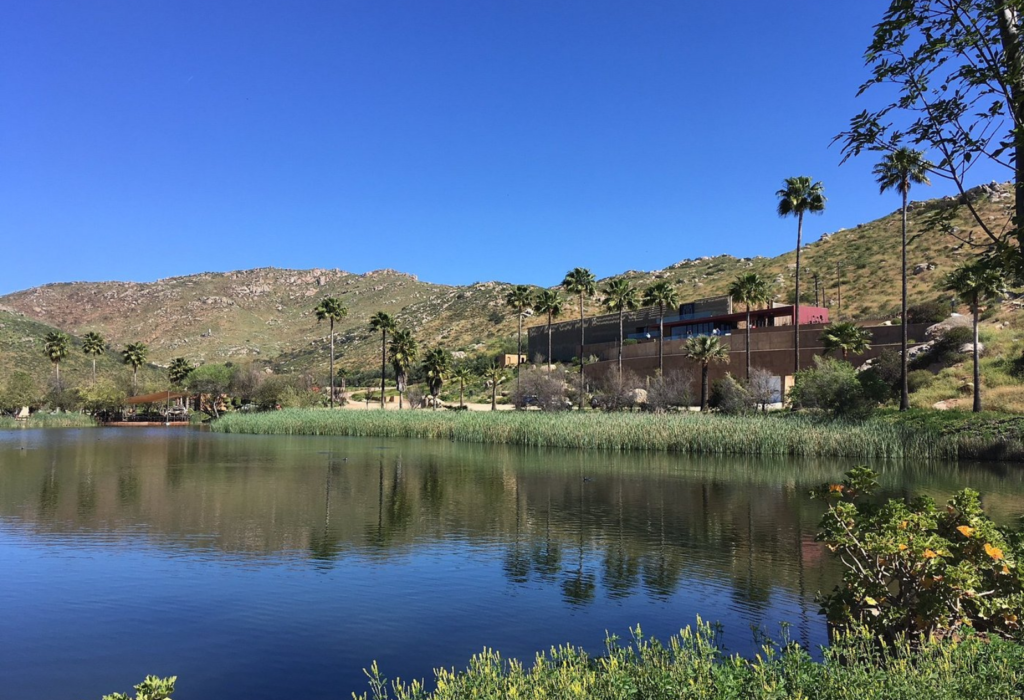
(46, 420)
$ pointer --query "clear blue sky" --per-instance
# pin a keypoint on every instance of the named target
(456, 140)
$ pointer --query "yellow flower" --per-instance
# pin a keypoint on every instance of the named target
(966, 531)
(929, 554)
(993, 552)
(835, 488)
(903, 547)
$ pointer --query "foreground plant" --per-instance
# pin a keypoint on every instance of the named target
(913, 569)
(152, 688)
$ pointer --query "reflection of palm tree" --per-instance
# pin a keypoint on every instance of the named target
(660, 577)
(621, 569)
(325, 547)
(579, 588)
(516, 564)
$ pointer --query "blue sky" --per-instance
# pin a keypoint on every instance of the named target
(456, 140)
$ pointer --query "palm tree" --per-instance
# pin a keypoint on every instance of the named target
(977, 282)
(661, 294)
(799, 197)
(519, 299)
(620, 296)
(331, 309)
(706, 349)
(383, 322)
(178, 370)
(93, 344)
(495, 375)
(847, 337)
(580, 281)
(403, 349)
(551, 303)
(749, 289)
(438, 367)
(898, 170)
(462, 374)
(134, 354)
(56, 346)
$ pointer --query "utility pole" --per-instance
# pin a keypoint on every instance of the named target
(839, 287)
(816, 277)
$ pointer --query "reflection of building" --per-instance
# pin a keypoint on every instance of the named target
(771, 337)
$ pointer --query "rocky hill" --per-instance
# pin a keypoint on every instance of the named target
(268, 313)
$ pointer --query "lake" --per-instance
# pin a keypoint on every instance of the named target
(266, 566)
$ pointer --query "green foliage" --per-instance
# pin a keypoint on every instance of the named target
(19, 390)
(919, 379)
(56, 346)
(833, 386)
(947, 350)
(730, 397)
(437, 365)
(913, 569)
(179, 370)
(152, 688)
(693, 666)
(927, 312)
(846, 337)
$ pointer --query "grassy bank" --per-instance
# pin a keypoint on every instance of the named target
(885, 437)
(691, 665)
(45, 420)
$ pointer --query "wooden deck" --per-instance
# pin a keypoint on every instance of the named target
(147, 424)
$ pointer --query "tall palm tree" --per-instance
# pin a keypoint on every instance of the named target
(331, 309)
(800, 196)
(619, 297)
(403, 350)
(551, 303)
(134, 354)
(383, 322)
(56, 345)
(462, 374)
(898, 171)
(661, 294)
(847, 337)
(749, 289)
(178, 370)
(977, 282)
(94, 345)
(706, 349)
(437, 365)
(494, 374)
(580, 281)
(519, 299)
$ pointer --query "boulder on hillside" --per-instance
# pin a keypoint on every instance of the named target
(954, 321)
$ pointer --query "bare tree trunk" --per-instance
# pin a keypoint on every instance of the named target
(56, 367)
(332, 363)
(661, 340)
(494, 396)
(904, 387)
(582, 343)
(549, 342)
(462, 392)
(704, 387)
(1009, 33)
(94, 369)
(748, 342)
(977, 366)
(796, 308)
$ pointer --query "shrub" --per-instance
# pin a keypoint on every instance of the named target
(152, 688)
(945, 352)
(885, 370)
(764, 387)
(615, 393)
(833, 386)
(927, 312)
(730, 397)
(919, 379)
(19, 390)
(913, 569)
(672, 390)
(539, 387)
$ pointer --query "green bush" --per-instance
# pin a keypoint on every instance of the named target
(730, 397)
(919, 379)
(927, 312)
(915, 570)
(152, 688)
(946, 350)
(833, 386)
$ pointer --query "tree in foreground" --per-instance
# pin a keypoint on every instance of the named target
(898, 170)
(402, 351)
(847, 337)
(56, 345)
(134, 355)
(705, 349)
(93, 345)
(330, 309)
(462, 374)
(551, 303)
(494, 374)
(749, 289)
(179, 370)
(383, 323)
(619, 297)
(977, 283)
(519, 299)
(800, 196)
(661, 294)
(580, 281)
(437, 365)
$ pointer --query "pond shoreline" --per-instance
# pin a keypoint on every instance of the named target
(887, 436)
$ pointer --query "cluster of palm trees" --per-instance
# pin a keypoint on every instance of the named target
(57, 347)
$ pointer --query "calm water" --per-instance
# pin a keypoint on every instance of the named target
(281, 567)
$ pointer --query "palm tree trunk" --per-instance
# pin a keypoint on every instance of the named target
(462, 392)
(519, 350)
(796, 311)
(94, 369)
(56, 366)
(549, 342)
(620, 344)
(704, 387)
(582, 343)
(383, 362)
(904, 387)
(748, 342)
(494, 395)
(332, 363)
(977, 366)
(135, 380)
(661, 339)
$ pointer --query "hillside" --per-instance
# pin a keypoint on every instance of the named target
(268, 313)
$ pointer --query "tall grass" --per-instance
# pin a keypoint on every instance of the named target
(45, 420)
(692, 665)
(689, 433)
